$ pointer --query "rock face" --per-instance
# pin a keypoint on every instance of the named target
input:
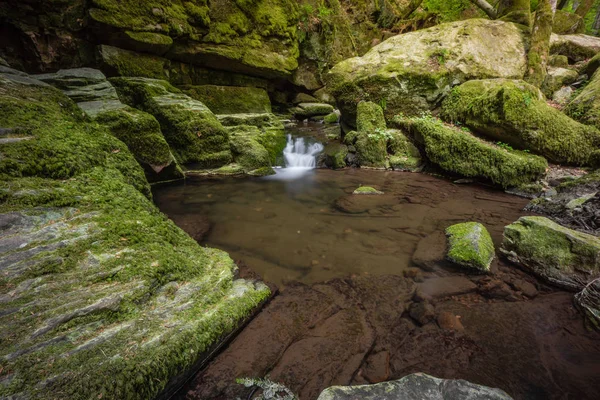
(193, 132)
(412, 72)
(561, 256)
(415, 387)
(140, 131)
(514, 112)
(103, 296)
(470, 245)
(457, 151)
(231, 99)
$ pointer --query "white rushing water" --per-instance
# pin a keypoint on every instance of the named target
(300, 158)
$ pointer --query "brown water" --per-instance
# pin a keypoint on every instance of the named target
(311, 228)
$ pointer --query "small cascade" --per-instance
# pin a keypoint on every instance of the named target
(299, 154)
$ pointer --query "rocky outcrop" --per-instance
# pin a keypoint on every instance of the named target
(415, 387)
(561, 256)
(411, 73)
(458, 151)
(103, 296)
(515, 112)
(140, 131)
(470, 246)
(193, 132)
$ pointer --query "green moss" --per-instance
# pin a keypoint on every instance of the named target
(457, 151)
(404, 154)
(63, 143)
(335, 155)
(121, 62)
(331, 118)
(350, 138)
(513, 112)
(371, 149)
(517, 11)
(101, 241)
(307, 110)
(247, 150)
(193, 132)
(558, 61)
(470, 245)
(367, 190)
(231, 99)
(585, 107)
(566, 23)
(369, 117)
(556, 253)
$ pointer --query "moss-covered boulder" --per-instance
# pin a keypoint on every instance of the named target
(231, 99)
(470, 246)
(307, 110)
(576, 47)
(119, 62)
(566, 23)
(458, 151)
(102, 295)
(193, 132)
(588, 301)
(253, 37)
(515, 112)
(335, 155)
(585, 107)
(556, 78)
(412, 72)
(404, 155)
(254, 148)
(561, 256)
(138, 130)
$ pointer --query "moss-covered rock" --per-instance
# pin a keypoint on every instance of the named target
(118, 62)
(62, 144)
(575, 47)
(410, 73)
(558, 61)
(332, 118)
(254, 148)
(335, 155)
(193, 132)
(470, 245)
(404, 155)
(256, 37)
(585, 107)
(566, 23)
(369, 117)
(138, 130)
(367, 190)
(556, 78)
(308, 110)
(514, 112)
(561, 256)
(100, 291)
(458, 151)
(231, 99)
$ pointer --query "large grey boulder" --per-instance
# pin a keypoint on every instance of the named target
(576, 47)
(416, 387)
(412, 72)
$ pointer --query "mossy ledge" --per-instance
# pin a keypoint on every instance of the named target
(102, 295)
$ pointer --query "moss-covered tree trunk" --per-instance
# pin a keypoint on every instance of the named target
(584, 7)
(537, 59)
(518, 11)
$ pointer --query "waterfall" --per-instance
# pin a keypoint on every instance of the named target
(299, 154)
(300, 159)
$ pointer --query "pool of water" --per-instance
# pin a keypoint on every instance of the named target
(309, 227)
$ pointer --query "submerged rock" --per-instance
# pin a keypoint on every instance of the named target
(561, 256)
(470, 245)
(412, 72)
(368, 190)
(515, 113)
(458, 151)
(415, 387)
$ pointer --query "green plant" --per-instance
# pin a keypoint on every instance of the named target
(271, 390)
(380, 134)
(504, 146)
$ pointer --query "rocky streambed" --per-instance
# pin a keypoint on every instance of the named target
(365, 294)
